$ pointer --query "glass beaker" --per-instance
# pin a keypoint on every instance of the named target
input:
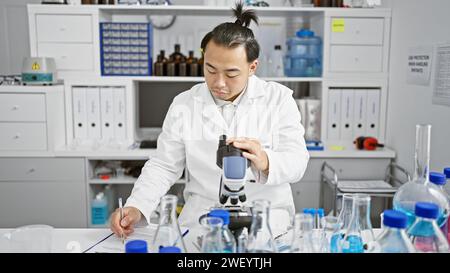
(261, 238)
(330, 228)
(359, 234)
(302, 238)
(168, 232)
(212, 240)
(420, 189)
(30, 239)
(344, 220)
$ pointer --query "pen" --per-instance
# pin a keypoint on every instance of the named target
(121, 217)
(182, 236)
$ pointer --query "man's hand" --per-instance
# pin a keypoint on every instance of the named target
(254, 152)
(131, 216)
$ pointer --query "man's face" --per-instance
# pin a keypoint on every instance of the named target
(227, 70)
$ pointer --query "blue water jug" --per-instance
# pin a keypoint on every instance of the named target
(304, 55)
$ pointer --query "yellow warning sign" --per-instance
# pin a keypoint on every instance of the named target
(35, 66)
(338, 25)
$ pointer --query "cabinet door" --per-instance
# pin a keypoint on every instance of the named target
(60, 204)
(22, 107)
(69, 56)
(356, 58)
(64, 28)
(359, 31)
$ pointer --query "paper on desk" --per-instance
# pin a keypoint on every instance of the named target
(113, 244)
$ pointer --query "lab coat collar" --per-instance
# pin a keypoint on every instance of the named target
(255, 89)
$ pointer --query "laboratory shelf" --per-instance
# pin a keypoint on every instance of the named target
(201, 79)
(121, 181)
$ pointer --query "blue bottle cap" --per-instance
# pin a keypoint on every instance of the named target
(427, 210)
(305, 33)
(437, 178)
(321, 212)
(136, 246)
(312, 211)
(447, 172)
(222, 214)
(395, 219)
(306, 210)
(170, 249)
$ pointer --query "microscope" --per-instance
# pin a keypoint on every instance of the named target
(233, 167)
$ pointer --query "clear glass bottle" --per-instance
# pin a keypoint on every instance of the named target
(330, 226)
(302, 241)
(425, 233)
(419, 189)
(242, 241)
(261, 238)
(344, 220)
(168, 232)
(212, 240)
(393, 238)
(227, 237)
(359, 234)
(439, 180)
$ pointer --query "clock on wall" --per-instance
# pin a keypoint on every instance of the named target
(161, 21)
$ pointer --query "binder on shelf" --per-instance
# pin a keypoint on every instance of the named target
(359, 116)
(373, 113)
(79, 113)
(119, 113)
(93, 112)
(347, 104)
(107, 112)
(334, 114)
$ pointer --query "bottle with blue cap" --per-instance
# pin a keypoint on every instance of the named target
(304, 55)
(425, 233)
(136, 246)
(170, 249)
(393, 238)
(439, 180)
(420, 189)
(228, 239)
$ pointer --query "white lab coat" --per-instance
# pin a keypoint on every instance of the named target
(189, 138)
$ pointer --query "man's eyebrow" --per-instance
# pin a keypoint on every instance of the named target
(227, 70)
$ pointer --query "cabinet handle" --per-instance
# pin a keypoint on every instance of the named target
(31, 170)
(356, 59)
(15, 107)
(62, 29)
(63, 57)
(17, 136)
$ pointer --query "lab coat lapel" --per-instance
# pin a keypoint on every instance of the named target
(210, 112)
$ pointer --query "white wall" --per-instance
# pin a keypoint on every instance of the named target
(416, 23)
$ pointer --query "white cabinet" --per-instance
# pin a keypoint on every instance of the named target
(358, 31)
(69, 57)
(31, 118)
(356, 59)
(53, 28)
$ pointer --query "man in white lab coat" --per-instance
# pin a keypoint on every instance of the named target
(259, 117)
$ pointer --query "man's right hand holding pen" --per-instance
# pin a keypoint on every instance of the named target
(125, 227)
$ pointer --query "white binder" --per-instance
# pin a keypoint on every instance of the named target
(334, 114)
(359, 116)
(93, 112)
(79, 112)
(107, 112)
(347, 114)
(119, 113)
(373, 113)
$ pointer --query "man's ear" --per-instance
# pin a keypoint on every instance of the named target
(253, 67)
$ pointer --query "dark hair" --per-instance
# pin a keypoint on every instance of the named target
(235, 34)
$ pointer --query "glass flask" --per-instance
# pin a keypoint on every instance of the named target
(425, 233)
(302, 239)
(393, 238)
(330, 227)
(212, 240)
(439, 179)
(168, 232)
(359, 234)
(344, 221)
(420, 189)
(227, 236)
(260, 237)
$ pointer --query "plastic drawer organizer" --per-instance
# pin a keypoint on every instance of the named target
(125, 49)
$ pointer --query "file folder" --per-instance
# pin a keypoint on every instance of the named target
(360, 108)
(107, 112)
(347, 104)
(119, 113)
(334, 114)
(93, 112)
(373, 113)
(79, 113)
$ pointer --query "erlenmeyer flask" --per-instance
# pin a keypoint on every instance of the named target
(261, 238)
(344, 221)
(420, 189)
(330, 227)
(212, 240)
(359, 234)
(302, 238)
(168, 232)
